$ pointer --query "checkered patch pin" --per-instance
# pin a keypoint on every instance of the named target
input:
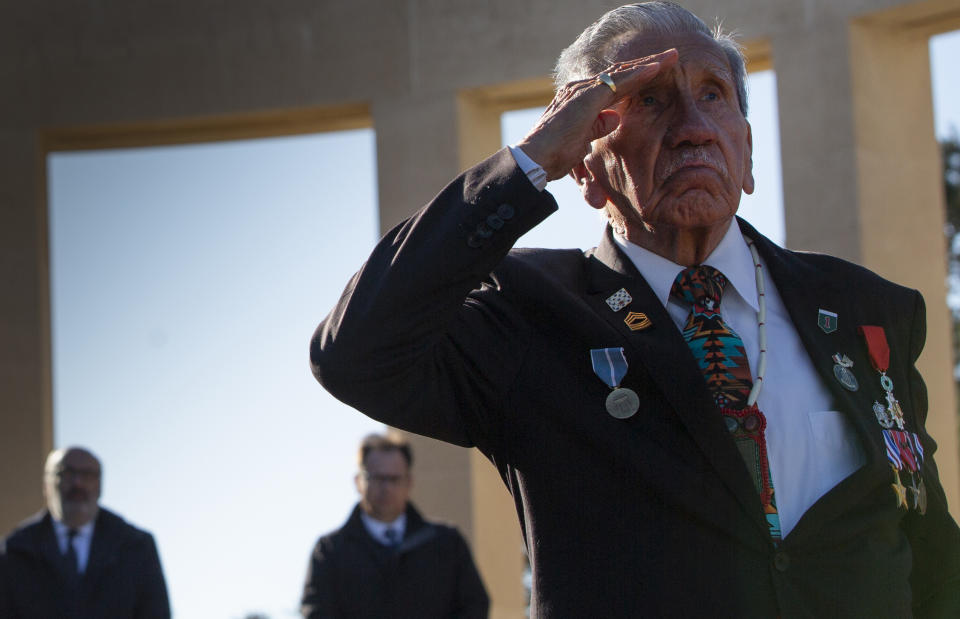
(619, 300)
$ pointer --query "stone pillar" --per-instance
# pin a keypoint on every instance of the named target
(25, 385)
(417, 155)
(451, 484)
(416, 151)
(820, 199)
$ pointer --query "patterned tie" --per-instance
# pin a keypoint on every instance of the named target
(720, 355)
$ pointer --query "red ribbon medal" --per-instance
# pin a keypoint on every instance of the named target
(904, 450)
(879, 352)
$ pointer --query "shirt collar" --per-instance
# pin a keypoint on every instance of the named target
(376, 528)
(62, 530)
(731, 257)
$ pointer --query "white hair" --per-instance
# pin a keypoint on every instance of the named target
(596, 47)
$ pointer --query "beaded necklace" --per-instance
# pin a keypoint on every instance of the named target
(761, 326)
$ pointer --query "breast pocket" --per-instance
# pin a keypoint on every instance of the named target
(838, 452)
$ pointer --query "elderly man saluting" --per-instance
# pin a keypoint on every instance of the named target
(692, 421)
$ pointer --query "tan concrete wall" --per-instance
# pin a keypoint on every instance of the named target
(25, 389)
(432, 77)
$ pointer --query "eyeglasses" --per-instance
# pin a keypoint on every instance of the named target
(375, 478)
(82, 474)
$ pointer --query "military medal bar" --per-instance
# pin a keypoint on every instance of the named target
(904, 449)
(879, 352)
(610, 365)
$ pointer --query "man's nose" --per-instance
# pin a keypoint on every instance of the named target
(690, 125)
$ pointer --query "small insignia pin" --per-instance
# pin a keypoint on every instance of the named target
(883, 417)
(637, 321)
(619, 300)
(842, 372)
(827, 321)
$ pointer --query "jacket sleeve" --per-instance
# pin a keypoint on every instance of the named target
(153, 602)
(472, 600)
(934, 536)
(407, 344)
(317, 601)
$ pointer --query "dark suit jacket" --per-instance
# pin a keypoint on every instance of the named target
(430, 575)
(123, 578)
(444, 333)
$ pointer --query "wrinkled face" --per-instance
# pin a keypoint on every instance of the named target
(72, 486)
(384, 484)
(682, 152)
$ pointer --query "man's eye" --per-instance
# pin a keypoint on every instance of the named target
(711, 96)
(648, 100)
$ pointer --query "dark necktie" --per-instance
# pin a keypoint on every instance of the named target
(720, 355)
(392, 537)
(73, 567)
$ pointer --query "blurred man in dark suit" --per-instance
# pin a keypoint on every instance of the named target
(387, 561)
(77, 560)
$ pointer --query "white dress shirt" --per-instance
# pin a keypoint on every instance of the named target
(378, 529)
(81, 541)
(810, 446)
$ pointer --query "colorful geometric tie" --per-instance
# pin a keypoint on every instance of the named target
(720, 355)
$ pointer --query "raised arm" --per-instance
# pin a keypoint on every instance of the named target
(422, 338)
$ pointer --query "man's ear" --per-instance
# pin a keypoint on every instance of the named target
(748, 183)
(593, 193)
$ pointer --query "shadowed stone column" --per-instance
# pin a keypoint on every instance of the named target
(26, 423)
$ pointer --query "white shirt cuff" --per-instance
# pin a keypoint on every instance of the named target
(531, 168)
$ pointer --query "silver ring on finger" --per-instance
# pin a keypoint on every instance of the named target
(606, 79)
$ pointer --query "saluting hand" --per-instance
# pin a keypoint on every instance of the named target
(580, 114)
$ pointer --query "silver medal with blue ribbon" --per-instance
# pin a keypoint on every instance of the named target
(610, 365)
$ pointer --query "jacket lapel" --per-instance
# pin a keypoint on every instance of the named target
(103, 549)
(47, 545)
(806, 290)
(661, 350)
(379, 555)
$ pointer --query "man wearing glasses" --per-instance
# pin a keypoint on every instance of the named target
(387, 561)
(76, 559)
